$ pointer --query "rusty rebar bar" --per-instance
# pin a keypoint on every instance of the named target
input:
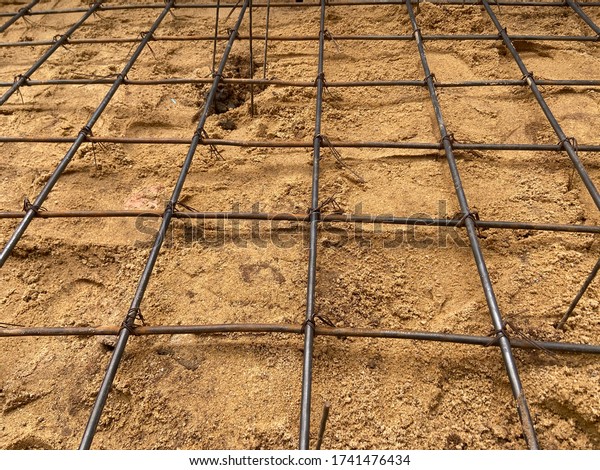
(301, 144)
(323, 217)
(215, 38)
(266, 47)
(323, 425)
(294, 4)
(308, 84)
(294, 329)
(251, 59)
(304, 38)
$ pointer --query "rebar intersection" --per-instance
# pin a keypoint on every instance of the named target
(314, 218)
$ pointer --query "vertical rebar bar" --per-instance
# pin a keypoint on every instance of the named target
(579, 295)
(128, 323)
(309, 332)
(323, 425)
(20, 14)
(565, 142)
(251, 60)
(214, 56)
(469, 223)
(81, 137)
(62, 40)
(265, 52)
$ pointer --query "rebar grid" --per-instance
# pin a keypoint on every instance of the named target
(18, 15)
(467, 220)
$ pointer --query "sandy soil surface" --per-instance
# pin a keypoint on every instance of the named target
(243, 391)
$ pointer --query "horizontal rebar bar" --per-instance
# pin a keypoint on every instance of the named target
(302, 144)
(308, 84)
(298, 330)
(323, 217)
(295, 4)
(402, 37)
(513, 3)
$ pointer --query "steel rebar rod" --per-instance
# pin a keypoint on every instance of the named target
(20, 14)
(577, 8)
(132, 314)
(266, 48)
(565, 141)
(514, 3)
(494, 310)
(61, 41)
(251, 58)
(300, 84)
(215, 39)
(81, 137)
(309, 333)
(485, 341)
(301, 144)
(325, 218)
(582, 290)
(304, 5)
(431, 37)
(324, 417)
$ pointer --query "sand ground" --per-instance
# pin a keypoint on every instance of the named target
(243, 391)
